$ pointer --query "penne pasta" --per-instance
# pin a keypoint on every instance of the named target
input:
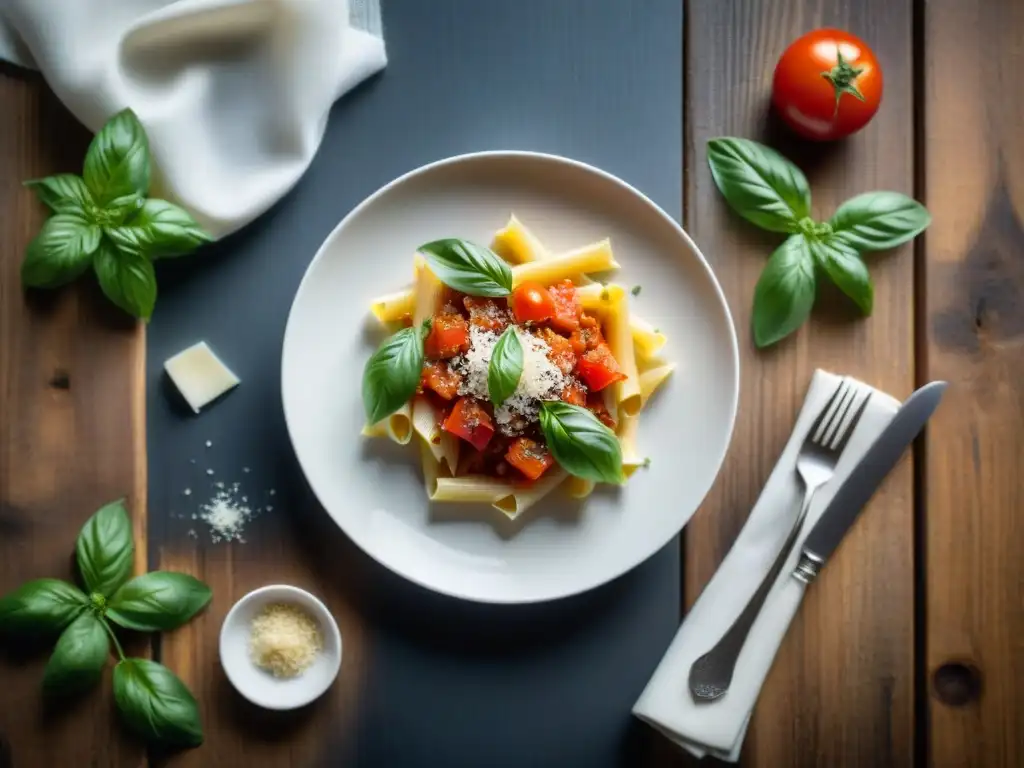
(523, 497)
(578, 488)
(394, 306)
(427, 294)
(647, 340)
(433, 471)
(620, 340)
(516, 244)
(651, 379)
(596, 257)
(600, 298)
(470, 488)
(426, 419)
(631, 459)
(397, 426)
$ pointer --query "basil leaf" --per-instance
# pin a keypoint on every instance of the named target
(40, 606)
(156, 704)
(392, 374)
(846, 269)
(468, 267)
(63, 193)
(117, 161)
(60, 252)
(581, 444)
(505, 368)
(78, 660)
(157, 601)
(105, 549)
(878, 220)
(785, 292)
(159, 228)
(760, 184)
(127, 278)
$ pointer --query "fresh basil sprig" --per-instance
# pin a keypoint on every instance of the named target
(150, 698)
(468, 267)
(768, 190)
(393, 372)
(581, 444)
(103, 219)
(505, 368)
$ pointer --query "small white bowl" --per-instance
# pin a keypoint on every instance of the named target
(259, 686)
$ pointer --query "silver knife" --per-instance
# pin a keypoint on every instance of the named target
(854, 494)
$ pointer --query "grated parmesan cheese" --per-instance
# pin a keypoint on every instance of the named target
(285, 640)
(541, 379)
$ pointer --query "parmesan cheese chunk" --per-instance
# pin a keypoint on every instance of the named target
(199, 375)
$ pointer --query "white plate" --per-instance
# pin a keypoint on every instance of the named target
(259, 686)
(373, 489)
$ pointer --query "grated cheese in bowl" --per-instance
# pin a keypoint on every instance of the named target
(284, 640)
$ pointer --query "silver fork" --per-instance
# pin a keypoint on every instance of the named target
(711, 674)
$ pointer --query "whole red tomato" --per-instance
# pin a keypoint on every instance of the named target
(827, 85)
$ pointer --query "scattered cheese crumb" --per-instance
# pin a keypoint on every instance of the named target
(209, 443)
(188, 491)
(225, 516)
(209, 471)
(285, 640)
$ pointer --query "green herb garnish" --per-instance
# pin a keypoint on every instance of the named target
(468, 267)
(149, 697)
(580, 443)
(104, 219)
(393, 372)
(505, 367)
(771, 192)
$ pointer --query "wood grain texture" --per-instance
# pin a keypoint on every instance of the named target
(72, 417)
(841, 690)
(307, 550)
(974, 332)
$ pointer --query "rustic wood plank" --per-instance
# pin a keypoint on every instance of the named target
(72, 421)
(308, 551)
(974, 331)
(841, 690)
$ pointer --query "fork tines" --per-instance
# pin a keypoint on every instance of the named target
(834, 425)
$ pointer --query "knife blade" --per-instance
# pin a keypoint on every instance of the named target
(861, 484)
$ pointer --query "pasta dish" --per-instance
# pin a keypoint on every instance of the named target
(514, 369)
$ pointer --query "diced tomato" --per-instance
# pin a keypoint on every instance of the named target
(406, 320)
(471, 422)
(595, 404)
(442, 379)
(448, 337)
(574, 394)
(586, 338)
(487, 314)
(598, 368)
(589, 321)
(529, 457)
(532, 302)
(561, 353)
(567, 307)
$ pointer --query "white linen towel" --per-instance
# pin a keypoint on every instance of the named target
(718, 727)
(234, 94)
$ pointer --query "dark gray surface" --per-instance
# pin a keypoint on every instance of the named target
(448, 684)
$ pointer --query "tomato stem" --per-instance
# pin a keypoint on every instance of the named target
(843, 77)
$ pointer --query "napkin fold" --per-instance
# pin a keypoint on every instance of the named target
(234, 94)
(717, 728)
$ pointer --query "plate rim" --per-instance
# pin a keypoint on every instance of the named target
(469, 157)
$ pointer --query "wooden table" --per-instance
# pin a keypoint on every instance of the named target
(910, 649)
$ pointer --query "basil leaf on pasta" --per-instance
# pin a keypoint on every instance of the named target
(468, 267)
(392, 374)
(581, 444)
(505, 368)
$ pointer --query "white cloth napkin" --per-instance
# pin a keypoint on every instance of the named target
(234, 94)
(718, 727)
